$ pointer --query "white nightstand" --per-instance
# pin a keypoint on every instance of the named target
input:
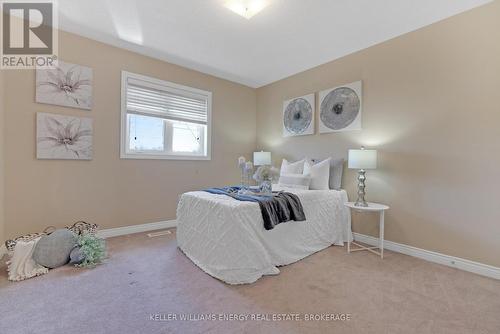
(372, 207)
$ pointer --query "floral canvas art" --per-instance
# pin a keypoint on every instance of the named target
(67, 85)
(63, 137)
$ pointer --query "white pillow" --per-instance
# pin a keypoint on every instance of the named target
(296, 181)
(292, 168)
(320, 174)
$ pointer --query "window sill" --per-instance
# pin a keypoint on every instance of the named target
(162, 157)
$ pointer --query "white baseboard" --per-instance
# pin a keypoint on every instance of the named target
(115, 232)
(447, 260)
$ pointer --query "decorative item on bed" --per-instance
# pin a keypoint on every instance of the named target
(292, 168)
(263, 174)
(311, 174)
(266, 173)
(246, 168)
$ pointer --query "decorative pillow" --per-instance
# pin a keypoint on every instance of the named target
(53, 250)
(76, 256)
(320, 174)
(297, 181)
(336, 171)
(292, 168)
(21, 265)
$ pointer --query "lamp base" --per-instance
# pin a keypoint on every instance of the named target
(361, 189)
(361, 204)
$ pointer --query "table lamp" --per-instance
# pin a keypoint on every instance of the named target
(262, 158)
(361, 160)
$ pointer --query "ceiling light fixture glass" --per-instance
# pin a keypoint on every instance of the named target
(246, 8)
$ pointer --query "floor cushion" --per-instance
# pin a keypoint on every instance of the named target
(53, 250)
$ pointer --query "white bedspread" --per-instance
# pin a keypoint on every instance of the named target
(226, 237)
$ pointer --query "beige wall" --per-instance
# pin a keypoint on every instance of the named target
(432, 109)
(107, 190)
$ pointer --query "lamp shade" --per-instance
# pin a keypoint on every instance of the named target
(362, 159)
(262, 158)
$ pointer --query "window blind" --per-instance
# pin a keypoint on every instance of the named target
(167, 102)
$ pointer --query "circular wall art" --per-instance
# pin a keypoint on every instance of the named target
(340, 108)
(298, 116)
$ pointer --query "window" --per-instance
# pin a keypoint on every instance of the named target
(163, 120)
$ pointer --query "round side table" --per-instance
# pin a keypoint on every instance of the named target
(372, 207)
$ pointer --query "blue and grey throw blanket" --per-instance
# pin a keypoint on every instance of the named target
(280, 207)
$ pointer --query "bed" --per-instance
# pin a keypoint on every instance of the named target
(226, 237)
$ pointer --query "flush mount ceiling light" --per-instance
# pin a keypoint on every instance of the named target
(246, 8)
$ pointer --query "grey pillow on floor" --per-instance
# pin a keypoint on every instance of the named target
(53, 250)
(336, 170)
(76, 256)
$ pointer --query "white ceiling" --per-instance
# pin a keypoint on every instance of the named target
(287, 37)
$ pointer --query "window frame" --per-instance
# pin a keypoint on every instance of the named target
(126, 153)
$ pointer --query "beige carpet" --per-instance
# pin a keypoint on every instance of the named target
(145, 277)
